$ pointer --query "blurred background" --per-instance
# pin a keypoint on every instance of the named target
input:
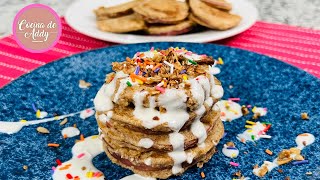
(304, 13)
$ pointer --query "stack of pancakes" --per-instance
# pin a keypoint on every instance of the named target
(166, 17)
(159, 122)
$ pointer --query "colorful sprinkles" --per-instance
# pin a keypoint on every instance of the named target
(192, 62)
(129, 83)
(234, 164)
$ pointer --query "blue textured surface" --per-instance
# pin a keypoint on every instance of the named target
(256, 79)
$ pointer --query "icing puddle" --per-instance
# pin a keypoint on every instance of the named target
(287, 156)
(229, 110)
(14, 127)
(230, 150)
(255, 131)
(80, 165)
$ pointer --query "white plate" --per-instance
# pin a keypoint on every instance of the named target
(80, 17)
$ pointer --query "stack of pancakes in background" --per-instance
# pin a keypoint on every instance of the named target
(166, 17)
(157, 113)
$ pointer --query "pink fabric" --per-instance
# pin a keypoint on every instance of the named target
(299, 47)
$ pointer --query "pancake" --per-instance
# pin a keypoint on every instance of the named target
(162, 11)
(124, 118)
(115, 11)
(122, 24)
(169, 30)
(219, 4)
(212, 17)
(160, 142)
(155, 112)
(161, 163)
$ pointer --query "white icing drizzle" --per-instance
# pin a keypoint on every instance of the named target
(174, 102)
(197, 91)
(86, 113)
(147, 54)
(260, 110)
(229, 110)
(176, 140)
(209, 101)
(145, 142)
(105, 118)
(137, 177)
(188, 54)
(70, 131)
(178, 158)
(306, 137)
(231, 153)
(148, 161)
(197, 127)
(102, 101)
(200, 89)
(192, 56)
(214, 70)
(123, 85)
(178, 154)
(216, 90)
(82, 154)
(257, 131)
(42, 114)
(14, 127)
(190, 157)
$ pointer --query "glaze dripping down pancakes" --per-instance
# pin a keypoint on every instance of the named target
(155, 112)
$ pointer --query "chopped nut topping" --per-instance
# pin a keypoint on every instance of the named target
(284, 157)
(256, 116)
(299, 157)
(284, 154)
(238, 174)
(65, 120)
(295, 151)
(156, 118)
(263, 171)
(304, 143)
(244, 110)
(43, 130)
(304, 116)
(284, 161)
(84, 84)
(230, 144)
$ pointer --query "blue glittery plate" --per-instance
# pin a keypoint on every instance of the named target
(258, 80)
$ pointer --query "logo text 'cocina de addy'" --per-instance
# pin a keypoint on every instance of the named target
(36, 28)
